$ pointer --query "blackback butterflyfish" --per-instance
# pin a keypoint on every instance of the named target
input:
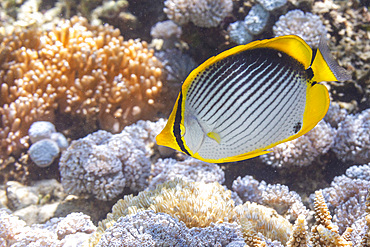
(247, 99)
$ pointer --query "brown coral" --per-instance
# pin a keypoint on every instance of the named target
(77, 69)
(324, 232)
(256, 218)
(299, 237)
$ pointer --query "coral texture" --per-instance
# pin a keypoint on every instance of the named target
(308, 26)
(103, 164)
(166, 30)
(71, 230)
(353, 139)
(324, 232)
(77, 69)
(195, 203)
(190, 170)
(256, 218)
(286, 203)
(299, 237)
(176, 66)
(147, 228)
(203, 13)
(346, 196)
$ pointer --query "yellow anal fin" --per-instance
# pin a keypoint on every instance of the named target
(215, 136)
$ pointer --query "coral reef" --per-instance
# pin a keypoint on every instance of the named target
(166, 30)
(242, 32)
(147, 228)
(287, 203)
(102, 164)
(303, 150)
(255, 218)
(299, 236)
(77, 69)
(203, 13)
(347, 195)
(84, 77)
(176, 65)
(352, 141)
(72, 230)
(195, 203)
(190, 170)
(324, 232)
(308, 26)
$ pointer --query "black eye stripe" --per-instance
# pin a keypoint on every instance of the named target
(176, 127)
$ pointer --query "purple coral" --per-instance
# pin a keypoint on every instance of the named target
(353, 139)
(346, 196)
(103, 164)
(147, 228)
(71, 230)
(203, 13)
(190, 170)
(306, 25)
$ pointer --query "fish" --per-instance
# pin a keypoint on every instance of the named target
(242, 102)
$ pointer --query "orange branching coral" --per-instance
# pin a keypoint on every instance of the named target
(324, 232)
(299, 237)
(78, 69)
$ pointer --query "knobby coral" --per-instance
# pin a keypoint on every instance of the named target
(190, 170)
(78, 69)
(353, 139)
(308, 26)
(203, 13)
(103, 164)
(71, 230)
(287, 203)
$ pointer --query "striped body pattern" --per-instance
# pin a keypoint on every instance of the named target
(245, 102)
(250, 98)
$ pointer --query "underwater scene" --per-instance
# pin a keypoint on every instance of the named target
(185, 123)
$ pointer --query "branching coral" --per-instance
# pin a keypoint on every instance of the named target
(347, 195)
(324, 232)
(77, 69)
(299, 237)
(203, 13)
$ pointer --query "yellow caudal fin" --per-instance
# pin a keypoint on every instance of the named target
(325, 68)
(317, 104)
